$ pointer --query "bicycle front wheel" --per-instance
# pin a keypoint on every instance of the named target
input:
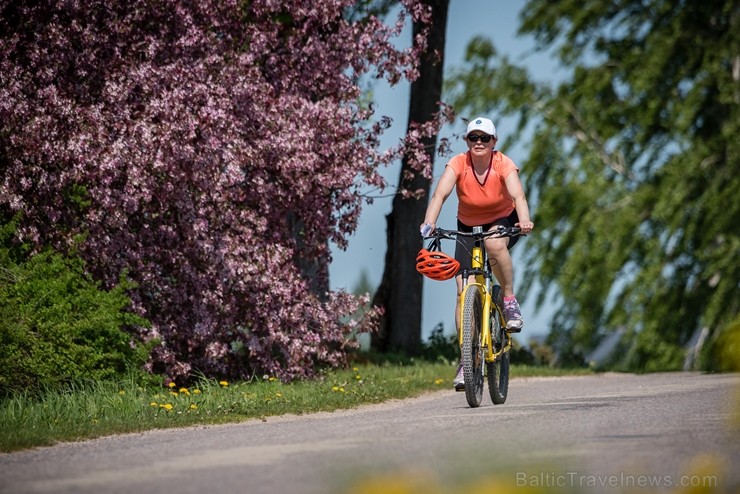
(472, 349)
(498, 371)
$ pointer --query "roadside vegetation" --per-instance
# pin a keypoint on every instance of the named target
(97, 408)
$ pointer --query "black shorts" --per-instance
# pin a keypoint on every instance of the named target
(464, 245)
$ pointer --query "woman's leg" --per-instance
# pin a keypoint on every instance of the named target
(458, 280)
(459, 381)
(503, 269)
(501, 264)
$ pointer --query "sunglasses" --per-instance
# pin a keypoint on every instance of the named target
(477, 137)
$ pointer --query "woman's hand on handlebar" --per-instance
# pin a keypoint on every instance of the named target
(525, 226)
(426, 229)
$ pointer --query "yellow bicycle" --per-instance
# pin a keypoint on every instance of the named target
(484, 340)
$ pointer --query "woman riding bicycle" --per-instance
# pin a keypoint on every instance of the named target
(489, 193)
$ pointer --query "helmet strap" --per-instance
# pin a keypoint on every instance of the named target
(435, 244)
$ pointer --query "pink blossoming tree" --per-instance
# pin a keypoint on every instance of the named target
(208, 151)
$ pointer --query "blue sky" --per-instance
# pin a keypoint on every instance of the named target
(497, 20)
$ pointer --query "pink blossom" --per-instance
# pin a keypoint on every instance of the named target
(203, 151)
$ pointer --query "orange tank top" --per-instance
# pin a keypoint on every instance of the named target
(482, 203)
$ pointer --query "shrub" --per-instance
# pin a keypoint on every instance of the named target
(56, 325)
(440, 347)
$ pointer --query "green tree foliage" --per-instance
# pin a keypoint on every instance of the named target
(727, 351)
(633, 167)
(56, 325)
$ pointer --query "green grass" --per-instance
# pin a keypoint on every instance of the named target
(97, 409)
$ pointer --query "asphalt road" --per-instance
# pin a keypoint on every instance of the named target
(601, 433)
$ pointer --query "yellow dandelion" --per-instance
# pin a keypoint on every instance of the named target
(193, 406)
(172, 385)
(279, 395)
(172, 393)
(355, 369)
(153, 404)
(196, 391)
(272, 379)
(122, 392)
(335, 388)
(166, 406)
(185, 391)
(358, 377)
(438, 381)
(224, 383)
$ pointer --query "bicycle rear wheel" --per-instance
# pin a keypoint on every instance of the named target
(472, 350)
(498, 371)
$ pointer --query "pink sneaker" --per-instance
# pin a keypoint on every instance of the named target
(513, 316)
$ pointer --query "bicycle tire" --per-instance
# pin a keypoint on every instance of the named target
(498, 371)
(472, 349)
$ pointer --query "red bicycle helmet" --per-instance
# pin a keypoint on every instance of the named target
(436, 265)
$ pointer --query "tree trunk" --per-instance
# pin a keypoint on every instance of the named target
(315, 269)
(400, 289)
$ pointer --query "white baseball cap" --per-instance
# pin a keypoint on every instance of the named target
(482, 124)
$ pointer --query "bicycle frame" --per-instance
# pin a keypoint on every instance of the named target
(484, 344)
(481, 269)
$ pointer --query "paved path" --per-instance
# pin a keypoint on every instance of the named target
(572, 434)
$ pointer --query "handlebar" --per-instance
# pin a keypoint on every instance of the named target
(499, 232)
